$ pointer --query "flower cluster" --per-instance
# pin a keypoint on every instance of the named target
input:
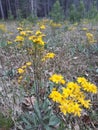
(23, 33)
(42, 27)
(19, 39)
(2, 28)
(55, 25)
(85, 29)
(72, 98)
(22, 70)
(87, 86)
(42, 23)
(90, 38)
(9, 42)
(50, 55)
(37, 38)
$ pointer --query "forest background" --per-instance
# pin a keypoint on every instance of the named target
(16, 9)
(48, 64)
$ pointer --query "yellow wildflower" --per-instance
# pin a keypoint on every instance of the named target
(92, 88)
(19, 39)
(23, 33)
(42, 27)
(42, 35)
(3, 27)
(24, 67)
(81, 80)
(66, 92)
(55, 25)
(55, 96)
(85, 103)
(19, 81)
(73, 86)
(56, 78)
(75, 24)
(9, 42)
(19, 28)
(62, 81)
(37, 39)
(48, 56)
(20, 77)
(32, 37)
(64, 108)
(76, 110)
(20, 71)
(29, 32)
(87, 86)
(29, 63)
(90, 38)
(38, 32)
(84, 29)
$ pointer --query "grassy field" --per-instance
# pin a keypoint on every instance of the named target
(30, 54)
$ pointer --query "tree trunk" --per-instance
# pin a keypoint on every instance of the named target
(17, 8)
(1, 8)
(9, 5)
(35, 2)
(48, 6)
(32, 7)
(45, 8)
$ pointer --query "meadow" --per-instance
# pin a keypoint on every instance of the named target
(48, 75)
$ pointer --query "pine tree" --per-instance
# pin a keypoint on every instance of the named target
(57, 12)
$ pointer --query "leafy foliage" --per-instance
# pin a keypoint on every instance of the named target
(42, 117)
(5, 122)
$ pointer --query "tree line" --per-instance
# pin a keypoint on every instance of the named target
(40, 8)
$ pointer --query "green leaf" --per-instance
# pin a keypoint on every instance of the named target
(26, 121)
(3, 44)
(51, 86)
(28, 127)
(34, 119)
(36, 110)
(47, 127)
(53, 120)
(46, 104)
